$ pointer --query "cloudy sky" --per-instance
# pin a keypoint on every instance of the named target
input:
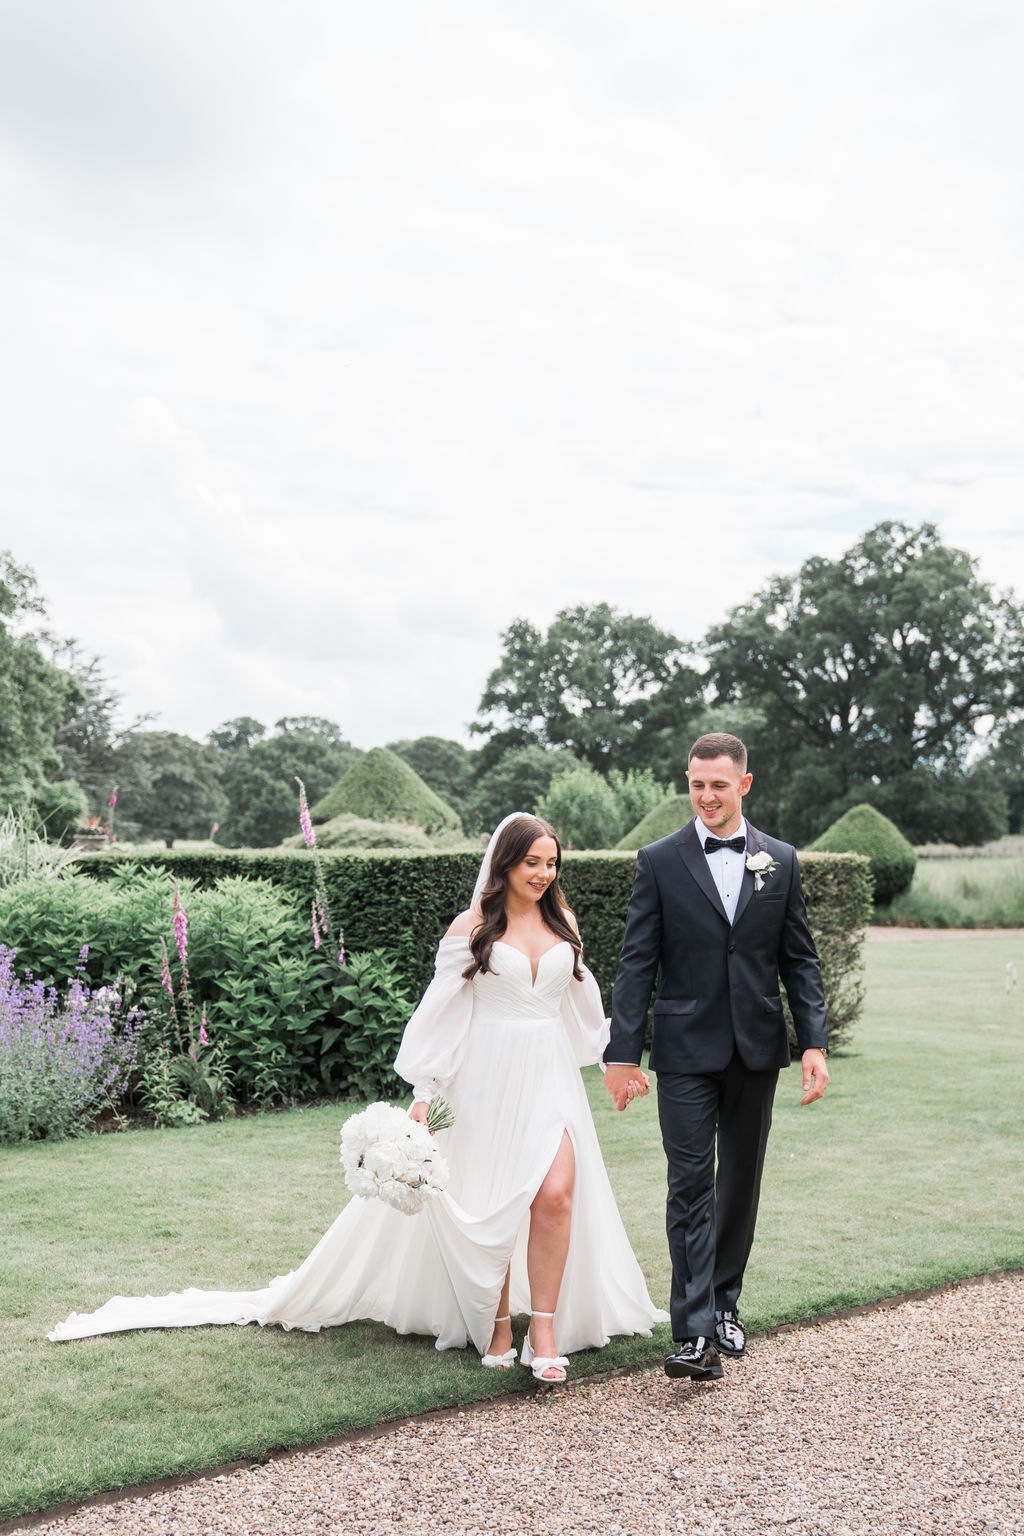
(335, 336)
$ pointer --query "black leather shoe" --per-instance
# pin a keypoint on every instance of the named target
(730, 1334)
(696, 1358)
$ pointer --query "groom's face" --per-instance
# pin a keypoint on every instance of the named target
(716, 792)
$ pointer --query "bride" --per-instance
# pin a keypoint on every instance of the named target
(528, 1222)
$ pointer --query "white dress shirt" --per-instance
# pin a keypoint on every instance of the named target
(726, 866)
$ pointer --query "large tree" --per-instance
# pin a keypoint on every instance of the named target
(590, 684)
(168, 786)
(1004, 762)
(518, 781)
(868, 670)
(88, 737)
(259, 778)
(33, 691)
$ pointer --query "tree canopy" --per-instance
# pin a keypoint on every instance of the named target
(588, 685)
(866, 668)
(33, 691)
(168, 786)
(259, 772)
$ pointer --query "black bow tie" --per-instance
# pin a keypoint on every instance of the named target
(712, 844)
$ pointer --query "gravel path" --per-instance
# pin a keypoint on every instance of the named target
(904, 1420)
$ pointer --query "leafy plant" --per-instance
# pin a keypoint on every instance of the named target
(265, 992)
(374, 1008)
(24, 855)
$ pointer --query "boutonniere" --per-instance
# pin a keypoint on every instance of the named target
(761, 865)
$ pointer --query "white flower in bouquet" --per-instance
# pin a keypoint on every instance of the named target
(387, 1156)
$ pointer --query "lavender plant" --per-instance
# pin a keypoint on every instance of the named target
(63, 1059)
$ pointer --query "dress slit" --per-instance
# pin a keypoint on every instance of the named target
(507, 1055)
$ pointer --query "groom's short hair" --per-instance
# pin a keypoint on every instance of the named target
(719, 744)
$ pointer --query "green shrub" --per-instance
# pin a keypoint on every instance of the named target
(672, 814)
(582, 808)
(355, 832)
(866, 831)
(381, 787)
(636, 793)
(374, 1010)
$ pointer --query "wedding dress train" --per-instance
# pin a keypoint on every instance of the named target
(505, 1049)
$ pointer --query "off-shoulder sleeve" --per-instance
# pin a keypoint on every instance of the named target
(434, 1041)
(584, 1018)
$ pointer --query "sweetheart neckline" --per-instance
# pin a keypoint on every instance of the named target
(516, 950)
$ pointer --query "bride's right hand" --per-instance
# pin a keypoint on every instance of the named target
(418, 1111)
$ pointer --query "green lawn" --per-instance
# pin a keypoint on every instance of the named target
(906, 1176)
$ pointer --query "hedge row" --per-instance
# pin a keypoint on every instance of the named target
(403, 901)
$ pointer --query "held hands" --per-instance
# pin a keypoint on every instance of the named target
(815, 1071)
(626, 1083)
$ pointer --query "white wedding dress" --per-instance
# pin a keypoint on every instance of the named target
(505, 1049)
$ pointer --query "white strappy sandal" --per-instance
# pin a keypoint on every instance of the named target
(538, 1364)
(500, 1362)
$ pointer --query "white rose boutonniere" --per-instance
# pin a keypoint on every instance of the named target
(761, 865)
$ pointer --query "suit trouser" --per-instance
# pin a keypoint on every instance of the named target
(711, 1216)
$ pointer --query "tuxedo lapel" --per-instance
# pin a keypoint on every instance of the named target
(755, 844)
(691, 851)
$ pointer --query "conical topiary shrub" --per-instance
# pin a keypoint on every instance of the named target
(667, 817)
(380, 787)
(864, 830)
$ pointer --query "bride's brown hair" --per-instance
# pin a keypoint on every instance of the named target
(511, 849)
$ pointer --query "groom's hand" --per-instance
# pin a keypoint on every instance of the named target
(816, 1073)
(625, 1083)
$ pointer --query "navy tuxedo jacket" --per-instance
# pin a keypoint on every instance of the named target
(717, 986)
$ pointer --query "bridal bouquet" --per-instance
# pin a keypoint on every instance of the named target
(388, 1156)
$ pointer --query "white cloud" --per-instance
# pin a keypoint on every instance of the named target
(331, 350)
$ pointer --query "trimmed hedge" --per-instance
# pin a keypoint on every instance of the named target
(839, 904)
(864, 830)
(403, 902)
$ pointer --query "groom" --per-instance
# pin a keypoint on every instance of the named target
(716, 917)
